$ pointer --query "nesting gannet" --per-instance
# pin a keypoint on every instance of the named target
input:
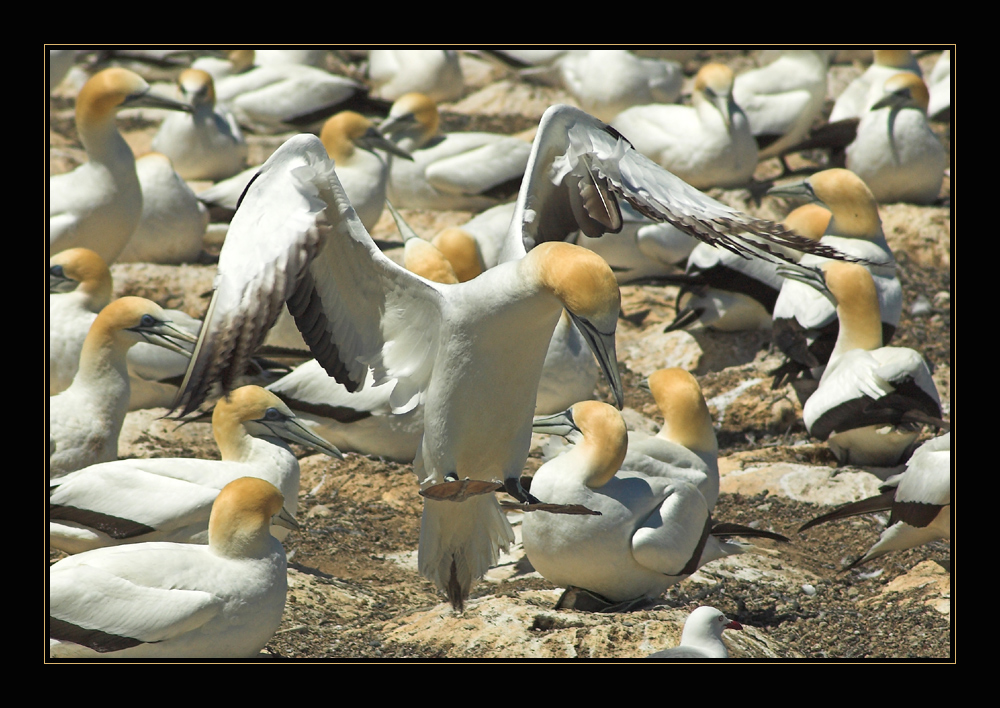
(707, 144)
(470, 171)
(85, 419)
(871, 399)
(686, 447)
(172, 227)
(472, 352)
(918, 499)
(235, 61)
(866, 90)
(805, 321)
(895, 152)
(169, 499)
(176, 600)
(80, 287)
(206, 144)
(653, 530)
(271, 98)
(351, 140)
(436, 73)
(98, 205)
(729, 293)
(606, 82)
(701, 637)
(781, 100)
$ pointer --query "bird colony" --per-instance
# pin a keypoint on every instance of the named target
(502, 353)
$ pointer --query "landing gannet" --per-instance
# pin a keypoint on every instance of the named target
(208, 143)
(781, 100)
(606, 82)
(686, 447)
(436, 73)
(85, 419)
(98, 204)
(701, 637)
(351, 140)
(707, 144)
(80, 287)
(472, 352)
(169, 499)
(460, 171)
(728, 293)
(653, 531)
(895, 152)
(805, 321)
(176, 600)
(871, 399)
(866, 90)
(918, 499)
(172, 227)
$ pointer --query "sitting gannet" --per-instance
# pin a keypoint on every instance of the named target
(169, 499)
(895, 152)
(866, 90)
(473, 352)
(701, 637)
(918, 501)
(176, 600)
(206, 144)
(871, 399)
(436, 73)
(86, 418)
(707, 144)
(98, 204)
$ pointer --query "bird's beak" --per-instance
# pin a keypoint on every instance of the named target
(292, 430)
(561, 424)
(164, 334)
(375, 140)
(603, 346)
(285, 519)
(151, 100)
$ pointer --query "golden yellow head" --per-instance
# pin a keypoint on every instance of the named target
(86, 268)
(604, 437)
(461, 250)
(241, 516)
(686, 418)
(196, 87)
(340, 131)
(716, 77)
(106, 90)
(581, 279)
(809, 221)
(854, 209)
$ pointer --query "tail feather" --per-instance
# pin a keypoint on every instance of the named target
(460, 541)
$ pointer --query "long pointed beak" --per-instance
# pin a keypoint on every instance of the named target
(794, 190)
(813, 277)
(151, 100)
(164, 334)
(561, 424)
(375, 140)
(397, 127)
(285, 519)
(293, 431)
(603, 346)
(59, 283)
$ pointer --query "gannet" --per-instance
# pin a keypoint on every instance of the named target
(98, 204)
(472, 352)
(918, 499)
(707, 144)
(307, 57)
(804, 321)
(866, 90)
(436, 73)
(236, 61)
(350, 140)
(460, 171)
(206, 144)
(871, 399)
(728, 293)
(895, 152)
(85, 419)
(652, 532)
(80, 287)
(273, 97)
(176, 600)
(169, 499)
(701, 637)
(781, 100)
(172, 227)
(686, 447)
(606, 82)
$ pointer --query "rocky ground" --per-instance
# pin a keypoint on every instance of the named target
(354, 592)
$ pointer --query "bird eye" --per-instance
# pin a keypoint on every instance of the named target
(57, 271)
(273, 414)
(147, 321)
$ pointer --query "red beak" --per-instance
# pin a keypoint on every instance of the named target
(733, 624)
